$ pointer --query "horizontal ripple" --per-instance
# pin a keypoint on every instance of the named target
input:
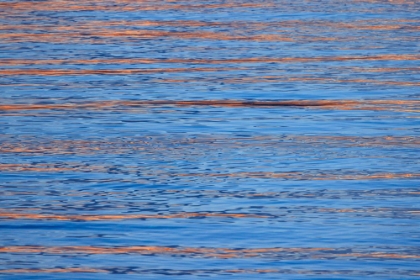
(318, 175)
(61, 6)
(72, 72)
(60, 72)
(124, 217)
(376, 105)
(370, 212)
(39, 145)
(251, 26)
(207, 272)
(118, 189)
(384, 57)
(224, 253)
(130, 35)
(168, 194)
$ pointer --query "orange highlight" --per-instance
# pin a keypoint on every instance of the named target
(101, 34)
(300, 176)
(393, 105)
(61, 72)
(140, 144)
(185, 215)
(55, 270)
(79, 167)
(30, 167)
(276, 79)
(152, 249)
(62, 5)
(250, 26)
(205, 271)
(387, 57)
(202, 271)
(223, 253)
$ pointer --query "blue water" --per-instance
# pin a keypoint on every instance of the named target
(223, 139)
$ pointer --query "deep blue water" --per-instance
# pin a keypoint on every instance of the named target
(223, 139)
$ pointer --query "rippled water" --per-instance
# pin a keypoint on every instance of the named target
(227, 139)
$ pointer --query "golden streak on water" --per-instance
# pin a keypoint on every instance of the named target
(318, 104)
(79, 167)
(200, 272)
(387, 57)
(223, 253)
(72, 72)
(121, 146)
(188, 215)
(61, 5)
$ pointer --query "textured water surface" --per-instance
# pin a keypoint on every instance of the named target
(228, 139)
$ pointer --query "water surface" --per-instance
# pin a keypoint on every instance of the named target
(227, 139)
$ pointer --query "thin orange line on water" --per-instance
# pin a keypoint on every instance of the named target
(302, 176)
(118, 146)
(224, 253)
(55, 270)
(249, 26)
(107, 36)
(99, 35)
(320, 104)
(185, 215)
(150, 249)
(201, 272)
(72, 72)
(286, 79)
(63, 6)
(189, 215)
(60, 72)
(387, 57)
(68, 167)
(217, 78)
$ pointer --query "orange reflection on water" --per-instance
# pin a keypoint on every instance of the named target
(249, 26)
(388, 57)
(99, 35)
(152, 249)
(185, 215)
(120, 146)
(287, 79)
(200, 272)
(55, 270)
(224, 253)
(379, 105)
(72, 72)
(66, 6)
(302, 176)
(60, 72)
(33, 168)
(188, 215)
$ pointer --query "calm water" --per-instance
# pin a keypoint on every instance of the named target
(230, 139)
